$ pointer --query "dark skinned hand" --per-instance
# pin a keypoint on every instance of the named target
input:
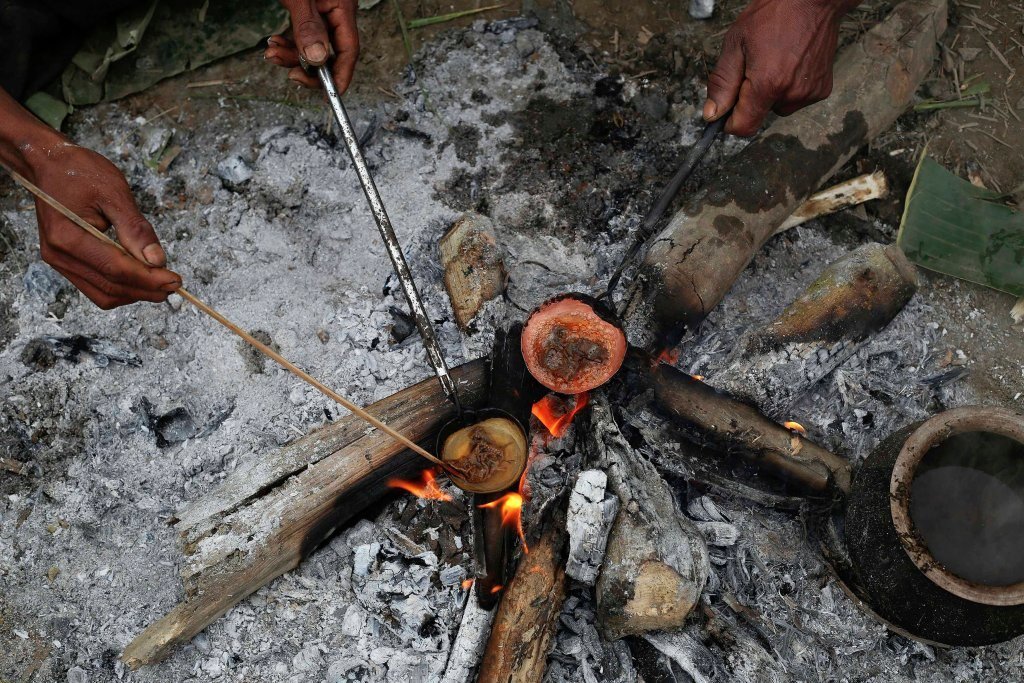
(92, 187)
(778, 57)
(318, 26)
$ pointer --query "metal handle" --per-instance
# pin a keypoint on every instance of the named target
(387, 233)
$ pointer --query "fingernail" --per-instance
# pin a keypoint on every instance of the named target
(272, 42)
(316, 54)
(171, 286)
(710, 109)
(154, 255)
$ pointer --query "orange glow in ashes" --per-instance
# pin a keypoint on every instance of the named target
(426, 487)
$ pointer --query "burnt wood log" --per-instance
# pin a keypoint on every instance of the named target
(773, 366)
(656, 562)
(267, 516)
(709, 417)
(527, 617)
(693, 263)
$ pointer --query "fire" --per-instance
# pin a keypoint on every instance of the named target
(467, 584)
(795, 427)
(426, 487)
(670, 356)
(511, 505)
(554, 413)
(496, 589)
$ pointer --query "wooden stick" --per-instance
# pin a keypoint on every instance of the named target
(847, 193)
(248, 338)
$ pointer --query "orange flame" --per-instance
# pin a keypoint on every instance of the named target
(511, 505)
(699, 378)
(496, 589)
(467, 584)
(553, 412)
(425, 488)
(795, 427)
(670, 356)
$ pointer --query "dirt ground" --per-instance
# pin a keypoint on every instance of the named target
(92, 559)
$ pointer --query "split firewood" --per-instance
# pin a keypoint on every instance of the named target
(591, 514)
(709, 417)
(854, 297)
(256, 528)
(527, 618)
(656, 563)
(697, 258)
(474, 271)
(468, 647)
(848, 193)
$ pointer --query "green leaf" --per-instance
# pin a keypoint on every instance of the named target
(47, 107)
(452, 16)
(956, 228)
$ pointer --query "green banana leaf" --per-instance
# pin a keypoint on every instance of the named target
(959, 229)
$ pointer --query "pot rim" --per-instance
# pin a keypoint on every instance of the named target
(1002, 421)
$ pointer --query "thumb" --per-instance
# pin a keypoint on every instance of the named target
(134, 232)
(309, 31)
(725, 81)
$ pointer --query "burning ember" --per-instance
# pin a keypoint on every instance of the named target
(467, 584)
(555, 412)
(426, 487)
(511, 506)
(795, 427)
(670, 356)
(572, 344)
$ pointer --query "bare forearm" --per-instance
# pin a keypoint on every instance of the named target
(23, 137)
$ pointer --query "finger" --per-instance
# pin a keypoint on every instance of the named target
(101, 292)
(341, 19)
(281, 51)
(750, 112)
(113, 266)
(302, 78)
(309, 31)
(134, 232)
(725, 81)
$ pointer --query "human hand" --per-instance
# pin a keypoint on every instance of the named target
(92, 187)
(312, 21)
(778, 57)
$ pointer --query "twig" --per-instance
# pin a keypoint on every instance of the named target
(248, 338)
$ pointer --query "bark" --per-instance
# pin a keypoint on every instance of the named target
(856, 296)
(265, 519)
(694, 262)
(527, 618)
(848, 193)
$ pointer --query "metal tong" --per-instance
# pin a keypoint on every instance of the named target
(387, 233)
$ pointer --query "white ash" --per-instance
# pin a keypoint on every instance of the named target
(292, 251)
(589, 520)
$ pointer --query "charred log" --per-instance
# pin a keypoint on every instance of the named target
(858, 295)
(709, 417)
(268, 516)
(699, 255)
(656, 562)
(526, 620)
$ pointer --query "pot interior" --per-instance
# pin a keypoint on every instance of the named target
(967, 506)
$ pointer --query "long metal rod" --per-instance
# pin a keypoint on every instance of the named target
(646, 229)
(387, 233)
(248, 338)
